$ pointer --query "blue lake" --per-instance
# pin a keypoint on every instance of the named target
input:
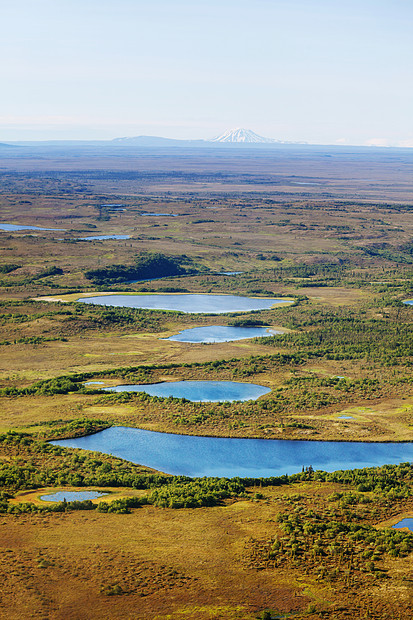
(409, 302)
(14, 227)
(198, 391)
(72, 496)
(221, 333)
(405, 523)
(212, 456)
(103, 237)
(94, 383)
(188, 303)
(161, 214)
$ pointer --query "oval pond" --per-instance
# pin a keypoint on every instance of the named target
(103, 237)
(197, 391)
(221, 333)
(188, 303)
(15, 227)
(72, 496)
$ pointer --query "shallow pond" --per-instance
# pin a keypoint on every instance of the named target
(408, 522)
(161, 214)
(72, 496)
(213, 456)
(103, 237)
(188, 303)
(221, 333)
(409, 302)
(14, 227)
(198, 391)
(94, 383)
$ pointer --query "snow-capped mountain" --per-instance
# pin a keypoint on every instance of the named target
(242, 135)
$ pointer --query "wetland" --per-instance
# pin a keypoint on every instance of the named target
(195, 527)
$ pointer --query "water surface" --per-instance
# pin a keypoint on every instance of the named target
(161, 214)
(13, 227)
(102, 237)
(221, 333)
(198, 391)
(409, 302)
(72, 496)
(405, 523)
(217, 456)
(188, 303)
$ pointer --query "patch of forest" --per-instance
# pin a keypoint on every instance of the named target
(146, 266)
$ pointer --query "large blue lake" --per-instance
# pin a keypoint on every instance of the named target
(14, 227)
(221, 333)
(198, 391)
(213, 456)
(188, 303)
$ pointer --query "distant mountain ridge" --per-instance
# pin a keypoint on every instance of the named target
(232, 136)
(238, 137)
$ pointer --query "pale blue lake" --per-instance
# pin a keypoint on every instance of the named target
(408, 522)
(161, 214)
(221, 333)
(72, 496)
(229, 457)
(14, 227)
(103, 237)
(409, 302)
(198, 391)
(188, 303)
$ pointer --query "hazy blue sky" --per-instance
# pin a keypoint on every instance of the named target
(324, 71)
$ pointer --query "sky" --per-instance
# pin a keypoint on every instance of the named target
(320, 71)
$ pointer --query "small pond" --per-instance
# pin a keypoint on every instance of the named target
(72, 496)
(14, 227)
(221, 333)
(188, 303)
(408, 522)
(408, 302)
(345, 417)
(198, 391)
(230, 273)
(161, 214)
(94, 383)
(103, 237)
(218, 456)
